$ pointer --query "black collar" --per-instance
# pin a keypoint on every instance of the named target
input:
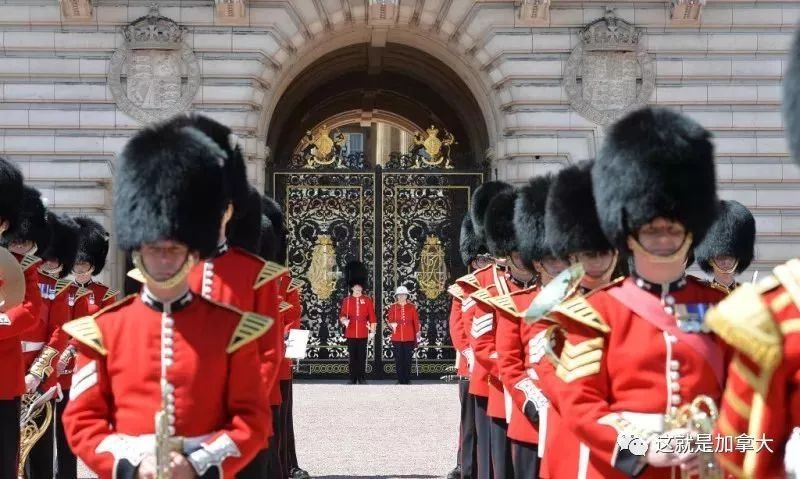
(520, 283)
(170, 307)
(659, 289)
(84, 285)
(221, 249)
(733, 285)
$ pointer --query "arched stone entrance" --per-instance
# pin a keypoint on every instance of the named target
(399, 214)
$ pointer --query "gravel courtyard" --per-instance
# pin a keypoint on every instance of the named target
(380, 430)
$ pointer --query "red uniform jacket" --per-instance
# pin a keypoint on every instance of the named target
(219, 411)
(249, 283)
(361, 314)
(291, 318)
(762, 395)
(470, 283)
(483, 338)
(407, 320)
(42, 344)
(13, 324)
(457, 334)
(625, 381)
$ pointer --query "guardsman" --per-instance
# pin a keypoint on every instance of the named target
(729, 246)
(626, 388)
(357, 315)
(762, 396)
(91, 295)
(471, 283)
(236, 277)
(13, 322)
(273, 248)
(403, 318)
(58, 259)
(473, 255)
(512, 276)
(153, 391)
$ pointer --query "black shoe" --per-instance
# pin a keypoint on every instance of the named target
(362, 381)
(297, 473)
(455, 473)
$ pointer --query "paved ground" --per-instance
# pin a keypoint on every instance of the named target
(379, 431)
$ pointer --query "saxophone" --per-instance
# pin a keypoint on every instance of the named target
(164, 417)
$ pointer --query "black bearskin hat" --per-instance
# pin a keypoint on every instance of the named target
(480, 203)
(273, 230)
(237, 187)
(170, 186)
(655, 163)
(570, 222)
(356, 273)
(733, 234)
(529, 210)
(791, 99)
(63, 247)
(470, 245)
(244, 230)
(32, 221)
(498, 225)
(11, 186)
(92, 243)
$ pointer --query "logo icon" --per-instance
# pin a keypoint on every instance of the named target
(635, 444)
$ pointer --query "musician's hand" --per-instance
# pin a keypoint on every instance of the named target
(343, 319)
(147, 468)
(31, 383)
(181, 467)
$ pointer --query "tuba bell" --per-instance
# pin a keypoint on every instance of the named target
(36, 415)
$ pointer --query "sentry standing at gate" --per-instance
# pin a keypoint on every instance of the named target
(357, 315)
(403, 318)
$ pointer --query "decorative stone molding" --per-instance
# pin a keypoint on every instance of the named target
(382, 13)
(76, 10)
(154, 75)
(686, 12)
(533, 13)
(609, 73)
(230, 12)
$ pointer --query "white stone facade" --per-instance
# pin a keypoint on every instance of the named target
(721, 62)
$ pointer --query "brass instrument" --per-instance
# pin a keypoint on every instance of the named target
(164, 443)
(557, 290)
(699, 417)
(12, 281)
(36, 415)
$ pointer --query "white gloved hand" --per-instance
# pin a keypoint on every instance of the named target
(393, 326)
(31, 383)
(470, 358)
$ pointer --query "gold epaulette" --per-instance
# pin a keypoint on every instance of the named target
(62, 285)
(285, 307)
(137, 275)
(28, 260)
(87, 332)
(506, 304)
(269, 272)
(744, 321)
(295, 284)
(111, 293)
(251, 326)
(82, 291)
(579, 310)
(483, 295)
(456, 291)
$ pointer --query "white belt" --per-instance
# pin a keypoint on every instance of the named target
(645, 421)
(31, 346)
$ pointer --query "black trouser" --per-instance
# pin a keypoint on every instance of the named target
(501, 449)
(526, 459)
(403, 351)
(39, 464)
(9, 437)
(286, 448)
(273, 458)
(67, 462)
(357, 350)
(466, 431)
(483, 426)
(257, 468)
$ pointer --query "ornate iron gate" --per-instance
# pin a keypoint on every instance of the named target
(404, 225)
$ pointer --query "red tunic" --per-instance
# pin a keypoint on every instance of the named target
(457, 334)
(762, 395)
(250, 284)
(470, 283)
(218, 408)
(95, 297)
(625, 381)
(13, 324)
(360, 312)
(407, 320)
(291, 318)
(46, 339)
